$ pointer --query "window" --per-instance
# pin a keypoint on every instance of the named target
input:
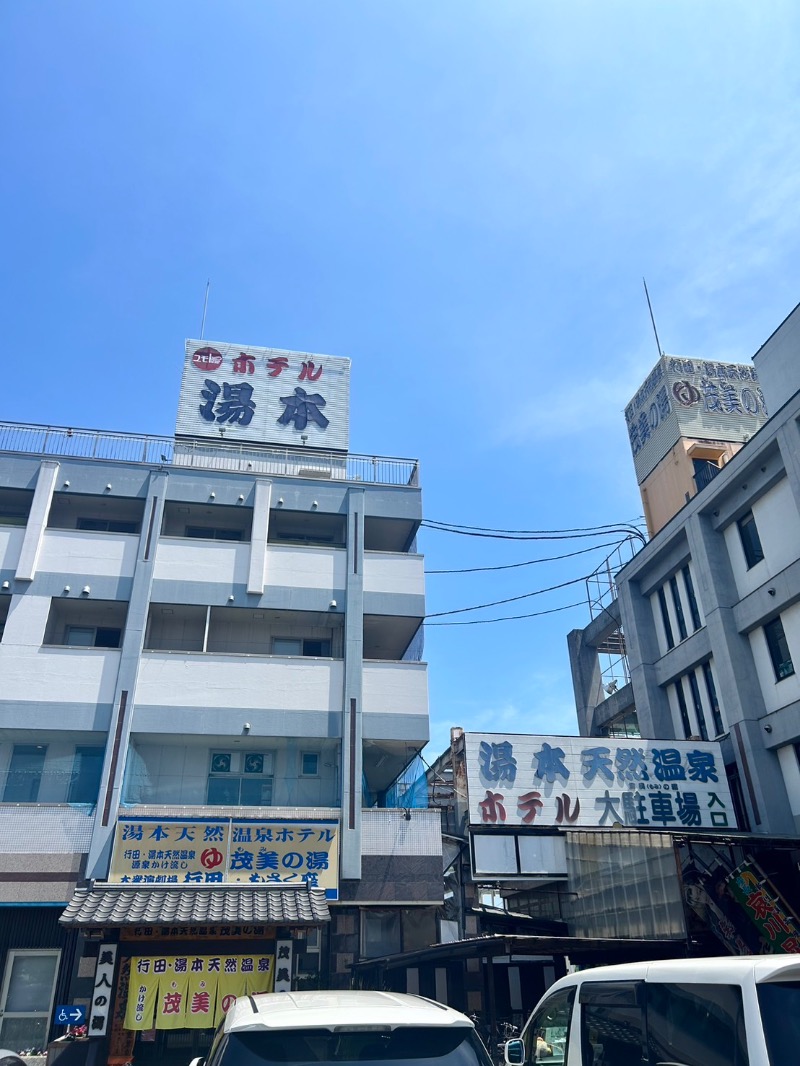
(676, 603)
(24, 774)
(751, 542)
(546, 1034)
(684, 710)
(301, 646)
(693, 609)
(29, 984)
(694, 688)
(380, 933)
(240, 779)
(711, 689)
(309, 764)
(212, 533)
(780, 1007)
(696, 1025)
(86, 771)
(301, 527)
(107, 525)
(612, 1022)
(93, 637)
(778, 649)
(662, 603)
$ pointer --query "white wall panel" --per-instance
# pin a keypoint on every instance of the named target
(66, 551)
(220, 562)
(395, 688)
(778, 694)
(307, 568)
(11, 538)
(393, 572)
(221, 682)
(778, 525)
(71, 675)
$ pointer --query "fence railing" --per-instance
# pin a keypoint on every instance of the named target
(90, 444)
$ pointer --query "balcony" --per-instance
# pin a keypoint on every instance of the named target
(64, 442)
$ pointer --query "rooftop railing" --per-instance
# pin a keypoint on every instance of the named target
(150, 450)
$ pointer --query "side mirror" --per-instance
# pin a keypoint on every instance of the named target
(514, 1052)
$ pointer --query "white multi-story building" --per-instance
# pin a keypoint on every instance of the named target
(210, 681)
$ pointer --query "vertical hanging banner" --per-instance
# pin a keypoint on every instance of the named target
(283, 966)
(192, 991)
(103, 987)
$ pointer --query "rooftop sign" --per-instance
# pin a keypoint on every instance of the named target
(584, 782)
(692, 398)
(253, 395)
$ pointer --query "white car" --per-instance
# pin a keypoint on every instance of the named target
(732, 1011)
(342, 1029)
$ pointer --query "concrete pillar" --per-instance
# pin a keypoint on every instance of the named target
(257, 571)
(652, 705)
(37, 520)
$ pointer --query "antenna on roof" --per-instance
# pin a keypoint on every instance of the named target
(652, 319)
(205, 308)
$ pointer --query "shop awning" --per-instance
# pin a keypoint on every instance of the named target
(119, 905)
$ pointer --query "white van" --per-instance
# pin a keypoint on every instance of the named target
(741, 1011)
(348, 1028)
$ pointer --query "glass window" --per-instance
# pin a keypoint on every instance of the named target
(429, 1046)
(286, 646)
(687, 726)
(612, 1023)
(696, 1025)
(380, 932)
(240, 779)
(86, 771)
(93, 637)
(694, 688)
(676, 603)
(309, 764)
(690, 596)
(24, 773)
(107, 525)
(662, 603)
(778, 649)
(780, 1011)
(213, 533)
(751, 542)
(28, 998)
(545, 1036)
(711, 689)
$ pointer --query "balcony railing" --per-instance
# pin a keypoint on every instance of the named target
(161, 451)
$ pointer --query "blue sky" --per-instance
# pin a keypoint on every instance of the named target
(460, 196)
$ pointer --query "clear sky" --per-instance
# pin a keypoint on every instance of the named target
(460, 196)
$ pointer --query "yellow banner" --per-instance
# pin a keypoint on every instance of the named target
(192, 991)
(170, 851)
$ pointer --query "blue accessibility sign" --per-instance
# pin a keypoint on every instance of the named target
(70, 1014)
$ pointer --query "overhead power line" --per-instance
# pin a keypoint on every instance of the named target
(529, 562)
(534, 535)
(508, 617)
(511, 599)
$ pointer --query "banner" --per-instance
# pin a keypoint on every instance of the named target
(173, 851)
(778, 929)
(192, 991)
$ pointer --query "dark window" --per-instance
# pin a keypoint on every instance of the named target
(212, 533)
(301, 646)
(86, 770)
(778, 649)
(697, 1025)
(662, 603)
(676, 602)
(693, 609)
(546, 1034)
(24, 773)
(711, 689)
(240, 779)
(780, 1010)
(429, 1046)
(694, 688)
(612, 1023)
(687, 725)
(107, 525)
(751, 542)
(93, 637)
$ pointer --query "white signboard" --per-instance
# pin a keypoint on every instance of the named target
(692, 398)
(572, 782)
(249, 395)
(103, 990)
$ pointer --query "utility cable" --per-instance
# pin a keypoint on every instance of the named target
(608, 526)
(511, 599)
(529, 562)
(508, 617)
(542, 535)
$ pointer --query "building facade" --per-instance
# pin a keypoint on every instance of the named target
(212, 679)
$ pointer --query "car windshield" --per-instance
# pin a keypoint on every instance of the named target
(425, 1046)
(780, 1015)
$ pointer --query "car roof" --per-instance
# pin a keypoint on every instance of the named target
(328, 1010)
(724, 970)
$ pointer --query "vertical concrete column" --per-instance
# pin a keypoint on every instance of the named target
(118, 740)
(352, 729)
(37, 520)
(652, 705)
(737, 680)
(789, 444)
(257, 571)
